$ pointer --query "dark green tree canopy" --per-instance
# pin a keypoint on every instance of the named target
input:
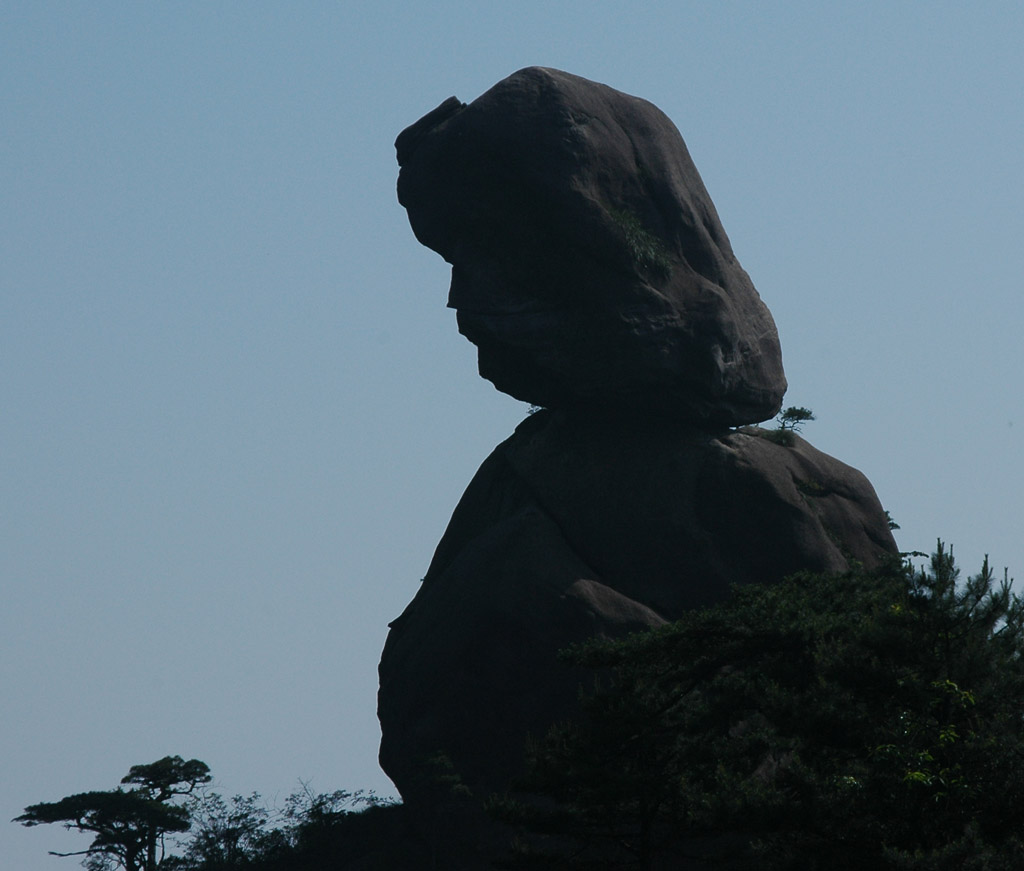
(794, 417)
(865, 720)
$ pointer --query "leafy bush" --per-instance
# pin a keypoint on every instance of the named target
(310, 831)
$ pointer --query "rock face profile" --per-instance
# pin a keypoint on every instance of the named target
(590, 269)
(588, 262)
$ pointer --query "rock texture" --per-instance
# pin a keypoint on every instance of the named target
(575, 527)
(589, 265)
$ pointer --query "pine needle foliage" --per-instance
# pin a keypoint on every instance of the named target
(864, 720)
(128, 826)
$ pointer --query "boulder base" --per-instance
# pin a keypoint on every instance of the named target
(576, 527)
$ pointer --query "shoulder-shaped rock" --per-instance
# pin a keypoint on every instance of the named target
(572, 529)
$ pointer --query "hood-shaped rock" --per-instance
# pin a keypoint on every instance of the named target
(589, 265)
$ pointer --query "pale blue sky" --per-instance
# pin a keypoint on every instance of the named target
(236, 414)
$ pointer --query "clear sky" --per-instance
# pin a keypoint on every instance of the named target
(235, 414)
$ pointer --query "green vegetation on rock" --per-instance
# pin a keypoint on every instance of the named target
(838, 722)
(647, 250)
(864, 720)
(791, 421)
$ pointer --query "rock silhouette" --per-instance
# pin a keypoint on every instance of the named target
(572, 529)
(591, 270)
(589, 265)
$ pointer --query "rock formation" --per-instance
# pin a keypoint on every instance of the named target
(572, 528)
(590, 268)
(588, 262)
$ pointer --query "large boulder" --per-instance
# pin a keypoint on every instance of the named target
(589, 265)
(576, 527)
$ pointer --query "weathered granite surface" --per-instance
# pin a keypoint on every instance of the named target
(589, 265)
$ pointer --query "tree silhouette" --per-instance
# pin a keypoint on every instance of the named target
(127, 825)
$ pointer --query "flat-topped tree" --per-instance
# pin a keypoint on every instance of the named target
(127, 824)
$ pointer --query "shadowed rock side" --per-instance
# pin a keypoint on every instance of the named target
(589, 265)
(591, 270)
(575, 527)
